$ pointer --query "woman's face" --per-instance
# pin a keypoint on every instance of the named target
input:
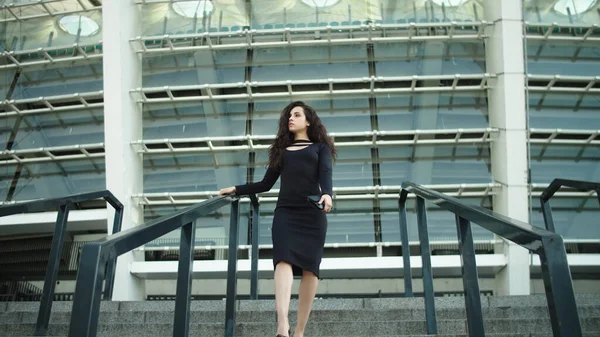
(297, 120)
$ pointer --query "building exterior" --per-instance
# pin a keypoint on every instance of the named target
(165, 102)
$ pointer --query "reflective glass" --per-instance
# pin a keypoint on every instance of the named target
(45, 180)
(45, 31)
(567, 162)
(191, 120)
(60, 129)
(574, 218)
(441, 224)
(201, 67)
(439, 164)
(54, 81)
(564, 111)
(338, 114)
(344, 61)
(211, 230)
(562, 58)
(429, 58)
(232, 15)
(549, 11)
(193, 172)
(429, 111)
(6, 126)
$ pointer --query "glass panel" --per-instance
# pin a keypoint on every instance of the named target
(6, 126)
(201, 67)
(61, 129)
(567, 162)
(194, 172)
(353, 168)
(427, 111)
(441, 224)
(549, 11)
(562, 58)
(191, 120)
(574, 218)
(430, 58)
(338, 114)
(440, 164)
(45, 31)
(7, 174)
(211, 230)
(231, 15)
(58, 81)
(307, 63)
(45, 180)
(564, 111)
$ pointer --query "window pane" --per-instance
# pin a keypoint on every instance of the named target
(441, 224)
(60, 129)
(549, 11)
(193, 120)
(440, 164)
(562, 58)
(574, 218)
(567, 162)
(429, 58)
(427, 111)
(46, 180)
(193, 172)
(564, 111)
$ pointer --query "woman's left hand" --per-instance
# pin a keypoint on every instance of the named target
(326, 198)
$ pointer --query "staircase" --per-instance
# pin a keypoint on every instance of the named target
(504, 316)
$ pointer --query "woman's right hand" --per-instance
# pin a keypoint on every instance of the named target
(227, 190)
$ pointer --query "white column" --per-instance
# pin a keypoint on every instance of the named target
(121, 20)
(505, 58)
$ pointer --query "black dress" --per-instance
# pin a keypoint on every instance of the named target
(299, 228)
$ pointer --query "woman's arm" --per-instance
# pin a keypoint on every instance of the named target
(325, 170)
(266, 184)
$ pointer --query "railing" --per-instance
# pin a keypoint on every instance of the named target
(554, 186)
(64, 205)
(95, 255)
(548, 245)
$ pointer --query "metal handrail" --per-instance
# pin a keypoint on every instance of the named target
(95, 255)
(564, 316)
(554, 186)
(64, 205)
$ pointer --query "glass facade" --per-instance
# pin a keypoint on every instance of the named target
(402, 85)
(563, 98)
(51, 119)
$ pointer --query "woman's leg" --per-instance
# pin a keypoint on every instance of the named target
(283, 291)
(306, 294)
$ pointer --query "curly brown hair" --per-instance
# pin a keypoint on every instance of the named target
(317, 133)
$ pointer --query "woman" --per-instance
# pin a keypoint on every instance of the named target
(302, 155)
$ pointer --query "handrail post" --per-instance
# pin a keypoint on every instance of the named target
(408, 289)
(181, 323)
(547, 213)
(232, 269)
(43, 319)
(112, 263)
(255, 242)
(559, 288)
(427, 273)
(470, 278)
(88, 291)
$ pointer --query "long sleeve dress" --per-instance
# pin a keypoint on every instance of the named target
(299, 228)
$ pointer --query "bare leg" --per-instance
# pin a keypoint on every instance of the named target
(308, 289)
(283, 291)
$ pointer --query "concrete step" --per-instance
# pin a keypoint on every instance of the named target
(519, 315)
(361, 315)
(316, 329)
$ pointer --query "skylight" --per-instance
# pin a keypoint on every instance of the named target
(190, 9)
(73, 23)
